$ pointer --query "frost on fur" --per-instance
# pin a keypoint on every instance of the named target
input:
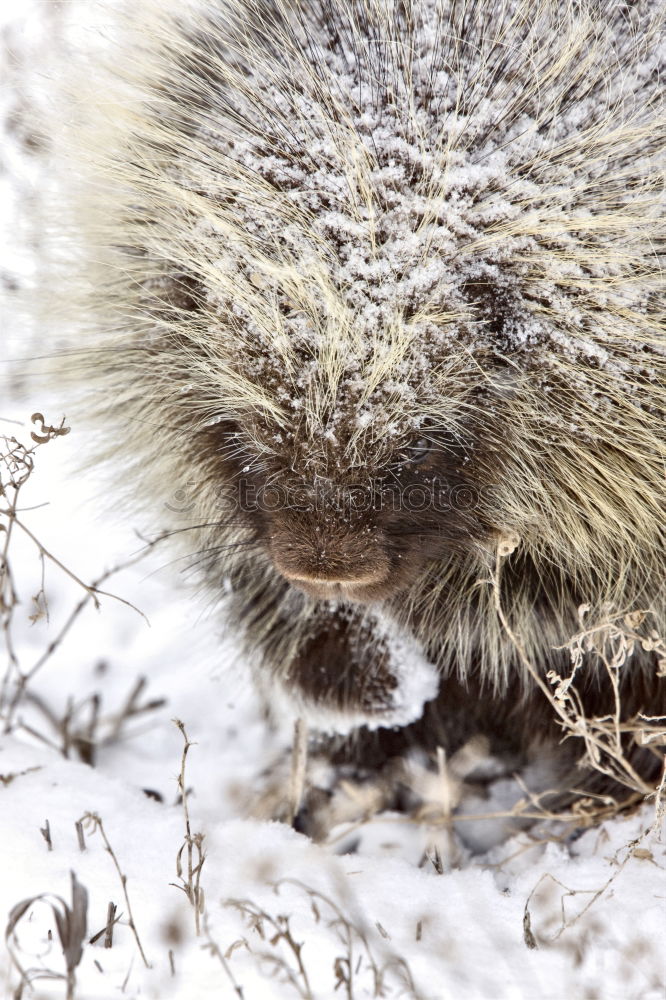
(330, 227)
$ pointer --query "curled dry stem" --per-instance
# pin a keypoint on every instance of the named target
(613, 641)
(17, 464)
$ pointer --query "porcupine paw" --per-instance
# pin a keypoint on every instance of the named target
(359, 670)
(334, 672)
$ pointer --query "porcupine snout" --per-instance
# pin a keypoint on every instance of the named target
(328, 555)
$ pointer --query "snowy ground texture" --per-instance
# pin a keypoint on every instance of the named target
(93, 762)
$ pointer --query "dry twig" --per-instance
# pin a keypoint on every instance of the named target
(192, 844)
(94, 823)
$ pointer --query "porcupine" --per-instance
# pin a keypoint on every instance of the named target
(375, 284)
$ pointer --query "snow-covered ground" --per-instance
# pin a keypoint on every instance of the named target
(534, 917)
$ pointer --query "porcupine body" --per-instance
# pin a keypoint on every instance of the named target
(373, 285)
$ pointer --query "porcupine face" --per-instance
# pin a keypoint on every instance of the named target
(360, 534)
(405, 241)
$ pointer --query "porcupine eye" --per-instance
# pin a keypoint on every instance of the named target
(416, 452)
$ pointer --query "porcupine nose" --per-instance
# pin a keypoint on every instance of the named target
(325, 564)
